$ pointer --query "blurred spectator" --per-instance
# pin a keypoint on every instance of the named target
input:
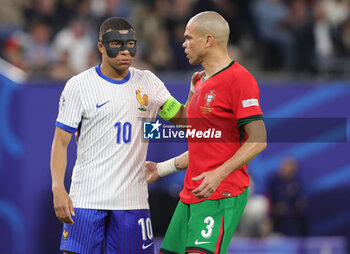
(47, 11)
(155, 25)
(14, 50)
(175, 24)
(139, 63)
(11, 14)
(336, 11)
(343, 39)
(160, 54)
(176, 40)
(255, 221)
(109, 8)
(276, 40)
(285, 191)
(229, 10)
(299, 22)
(75, 40)
(181, 11)
(203, 5)
(150, 20)
(322, 32)
(38, 54)
(62, 70)
(83, 9)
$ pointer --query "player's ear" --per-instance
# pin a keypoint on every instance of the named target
(100, 47)
(209, 40)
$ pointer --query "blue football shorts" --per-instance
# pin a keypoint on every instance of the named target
(105, 231)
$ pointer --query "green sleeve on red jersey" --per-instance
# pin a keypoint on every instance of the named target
(243, 121)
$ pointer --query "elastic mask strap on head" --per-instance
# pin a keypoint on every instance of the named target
(115, 35)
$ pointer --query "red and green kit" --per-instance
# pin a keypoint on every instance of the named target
(220, 106)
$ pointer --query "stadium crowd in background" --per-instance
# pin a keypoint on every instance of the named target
(44, 37)
(287, 202)
(282, 209)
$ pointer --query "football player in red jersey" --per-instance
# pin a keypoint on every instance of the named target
(216, 184)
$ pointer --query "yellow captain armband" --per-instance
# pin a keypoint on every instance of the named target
(169, 108)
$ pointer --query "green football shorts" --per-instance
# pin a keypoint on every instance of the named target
(205, 227)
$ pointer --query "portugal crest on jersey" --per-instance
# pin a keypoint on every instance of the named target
(209, 97)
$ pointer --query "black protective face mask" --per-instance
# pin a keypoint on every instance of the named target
(122, 38)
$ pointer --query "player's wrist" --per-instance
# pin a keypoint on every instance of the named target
(57, 187)
(166, 167)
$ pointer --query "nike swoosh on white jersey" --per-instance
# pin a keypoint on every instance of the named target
(146, 246)
(198, 242)
(100, 105)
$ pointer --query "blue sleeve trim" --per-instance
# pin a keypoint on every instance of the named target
(66, 127)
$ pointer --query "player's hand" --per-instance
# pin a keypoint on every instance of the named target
(210, 183)
(195, 77)
(151, 172)
(63, 205)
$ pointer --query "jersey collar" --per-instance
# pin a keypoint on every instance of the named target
(118, 82)
(228, 66)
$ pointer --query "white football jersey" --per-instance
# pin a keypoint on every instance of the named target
(106, 116)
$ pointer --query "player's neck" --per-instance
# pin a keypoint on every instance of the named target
(112, 73)
(216, 63)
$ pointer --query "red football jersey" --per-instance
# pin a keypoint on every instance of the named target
(220, 105)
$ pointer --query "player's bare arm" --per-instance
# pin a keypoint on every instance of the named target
(254, 145)
(62, 203)
(156, 170)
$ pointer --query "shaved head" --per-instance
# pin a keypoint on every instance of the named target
(210, 22)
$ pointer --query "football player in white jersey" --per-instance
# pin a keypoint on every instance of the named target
(107, 208)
